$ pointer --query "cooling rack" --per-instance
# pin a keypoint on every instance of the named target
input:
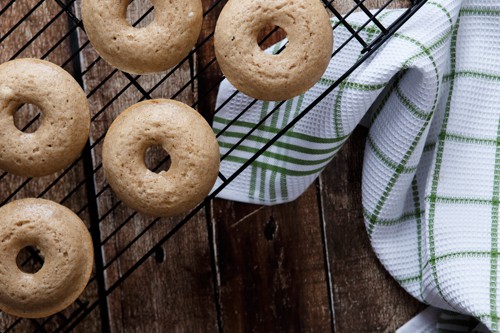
(52, 30)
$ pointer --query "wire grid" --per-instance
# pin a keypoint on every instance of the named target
(84, 176)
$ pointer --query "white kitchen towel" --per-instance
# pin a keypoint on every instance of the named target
(433, 320)
(431, 175)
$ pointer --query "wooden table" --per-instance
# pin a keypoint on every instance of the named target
(306, 266)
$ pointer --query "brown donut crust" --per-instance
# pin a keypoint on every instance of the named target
(184, 135)
(66, 246)
(266, 76)
(154, 48)
(65, 120)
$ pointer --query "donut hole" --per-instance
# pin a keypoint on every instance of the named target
(157, 159)
(29, 259)
(27, 118)
(140, 13)
(270, 35)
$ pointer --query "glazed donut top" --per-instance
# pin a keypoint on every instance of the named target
(273, 77)
(154, 48)
(65, 119)
(64, 244)
(184, 134)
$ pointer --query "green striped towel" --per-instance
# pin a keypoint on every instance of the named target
(431, 176)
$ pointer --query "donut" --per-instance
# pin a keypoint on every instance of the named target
(65, 118)
(188, 139)
(266, 76)
(157, 47)
(65, 246)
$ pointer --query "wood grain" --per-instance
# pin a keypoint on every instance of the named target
(209, 74)
(271, 267)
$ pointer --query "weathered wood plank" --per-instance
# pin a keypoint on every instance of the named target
(42, 35)
(172, 291)
(208, 69)
(271, 267)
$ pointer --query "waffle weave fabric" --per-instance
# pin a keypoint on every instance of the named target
(431, 174)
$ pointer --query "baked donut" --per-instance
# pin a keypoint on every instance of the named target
(154, 48)
(65, 246)
(65, 119)
(266, 76)
(183, 134)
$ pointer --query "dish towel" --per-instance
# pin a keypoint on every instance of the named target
(431, 174)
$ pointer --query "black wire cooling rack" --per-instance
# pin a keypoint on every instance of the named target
(27, 29)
